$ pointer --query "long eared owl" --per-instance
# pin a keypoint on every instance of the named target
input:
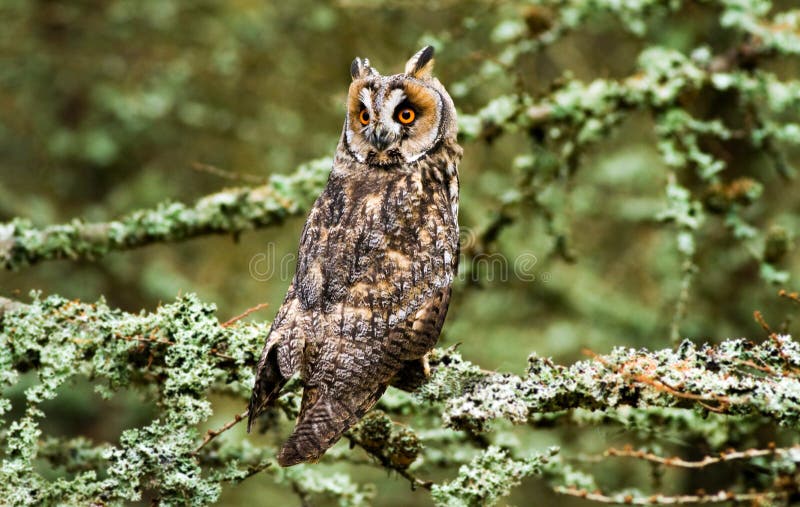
(377, 256)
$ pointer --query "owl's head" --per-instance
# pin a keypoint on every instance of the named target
(398, 119)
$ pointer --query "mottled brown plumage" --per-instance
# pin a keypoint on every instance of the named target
(377, 256)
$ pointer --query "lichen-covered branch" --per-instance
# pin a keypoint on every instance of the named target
(177, 361)
(230, 211)
(489, 477)
(572, 116)
(736, 377)
(459, 428)
(181, 352)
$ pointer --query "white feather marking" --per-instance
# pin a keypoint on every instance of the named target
(366, 98)
(394, 99)
(453, 192)
(389, 104)
(414, 158)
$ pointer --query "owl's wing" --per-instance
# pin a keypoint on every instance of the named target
(333, 403)
(381, 292)
(280, 358)
(282, 354)
(424, 332)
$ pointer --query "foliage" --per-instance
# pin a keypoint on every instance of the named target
(231, 211)
(176, 355)
(487, 477)
(181, 352)
(645, 152)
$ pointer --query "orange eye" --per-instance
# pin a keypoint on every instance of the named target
(363, 116)
(406, 116)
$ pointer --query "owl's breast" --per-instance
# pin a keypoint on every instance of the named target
(376, 240)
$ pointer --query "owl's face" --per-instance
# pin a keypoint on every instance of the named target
(396, 120)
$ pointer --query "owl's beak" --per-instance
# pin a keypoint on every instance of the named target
(380, 138)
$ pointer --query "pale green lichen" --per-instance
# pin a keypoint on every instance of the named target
(708, 378)
(181, 344)
(228, 212)
(179, 353)
(488, 477)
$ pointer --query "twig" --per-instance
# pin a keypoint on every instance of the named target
(247, 312)
(301, 493)
(212, 434)
(787, 361)
(702, 400)
(688, 271)
(761, 322)
(253, 470)
(661, 385)
(256, 469)
(675, 461)
(659, 499)
(386, 463)
(164, 341)
(791, 296)
(762, 368)
(229, 175)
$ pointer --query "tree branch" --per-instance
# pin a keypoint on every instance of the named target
(676, 461)
(231, 211)
(188, 353)
(726, 497)
(689, 376)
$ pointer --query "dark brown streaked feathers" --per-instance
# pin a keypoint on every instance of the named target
(376, 259)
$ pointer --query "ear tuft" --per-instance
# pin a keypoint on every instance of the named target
(355, 69)
(360, 69)
(420, 65)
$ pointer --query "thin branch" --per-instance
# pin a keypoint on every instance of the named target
(787, 361)
(212, 434)
(154, 339)
(688, 270)
(231, 211)
(302, 494)
(675, 461)
(759, 318)
(628, 499)
(791, 296)
(662, 385)
(762, 368)
(251, 471)
(244, 314)
(387, 464)
(702, 400)
(229, 175)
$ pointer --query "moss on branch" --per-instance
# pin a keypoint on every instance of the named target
(231, 211)
(181, 352)
(736, 377)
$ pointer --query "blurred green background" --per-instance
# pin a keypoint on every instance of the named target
(107, 106)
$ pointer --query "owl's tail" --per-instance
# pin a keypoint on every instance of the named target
(322, 425)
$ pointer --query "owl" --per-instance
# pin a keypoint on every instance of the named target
(377, 256)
